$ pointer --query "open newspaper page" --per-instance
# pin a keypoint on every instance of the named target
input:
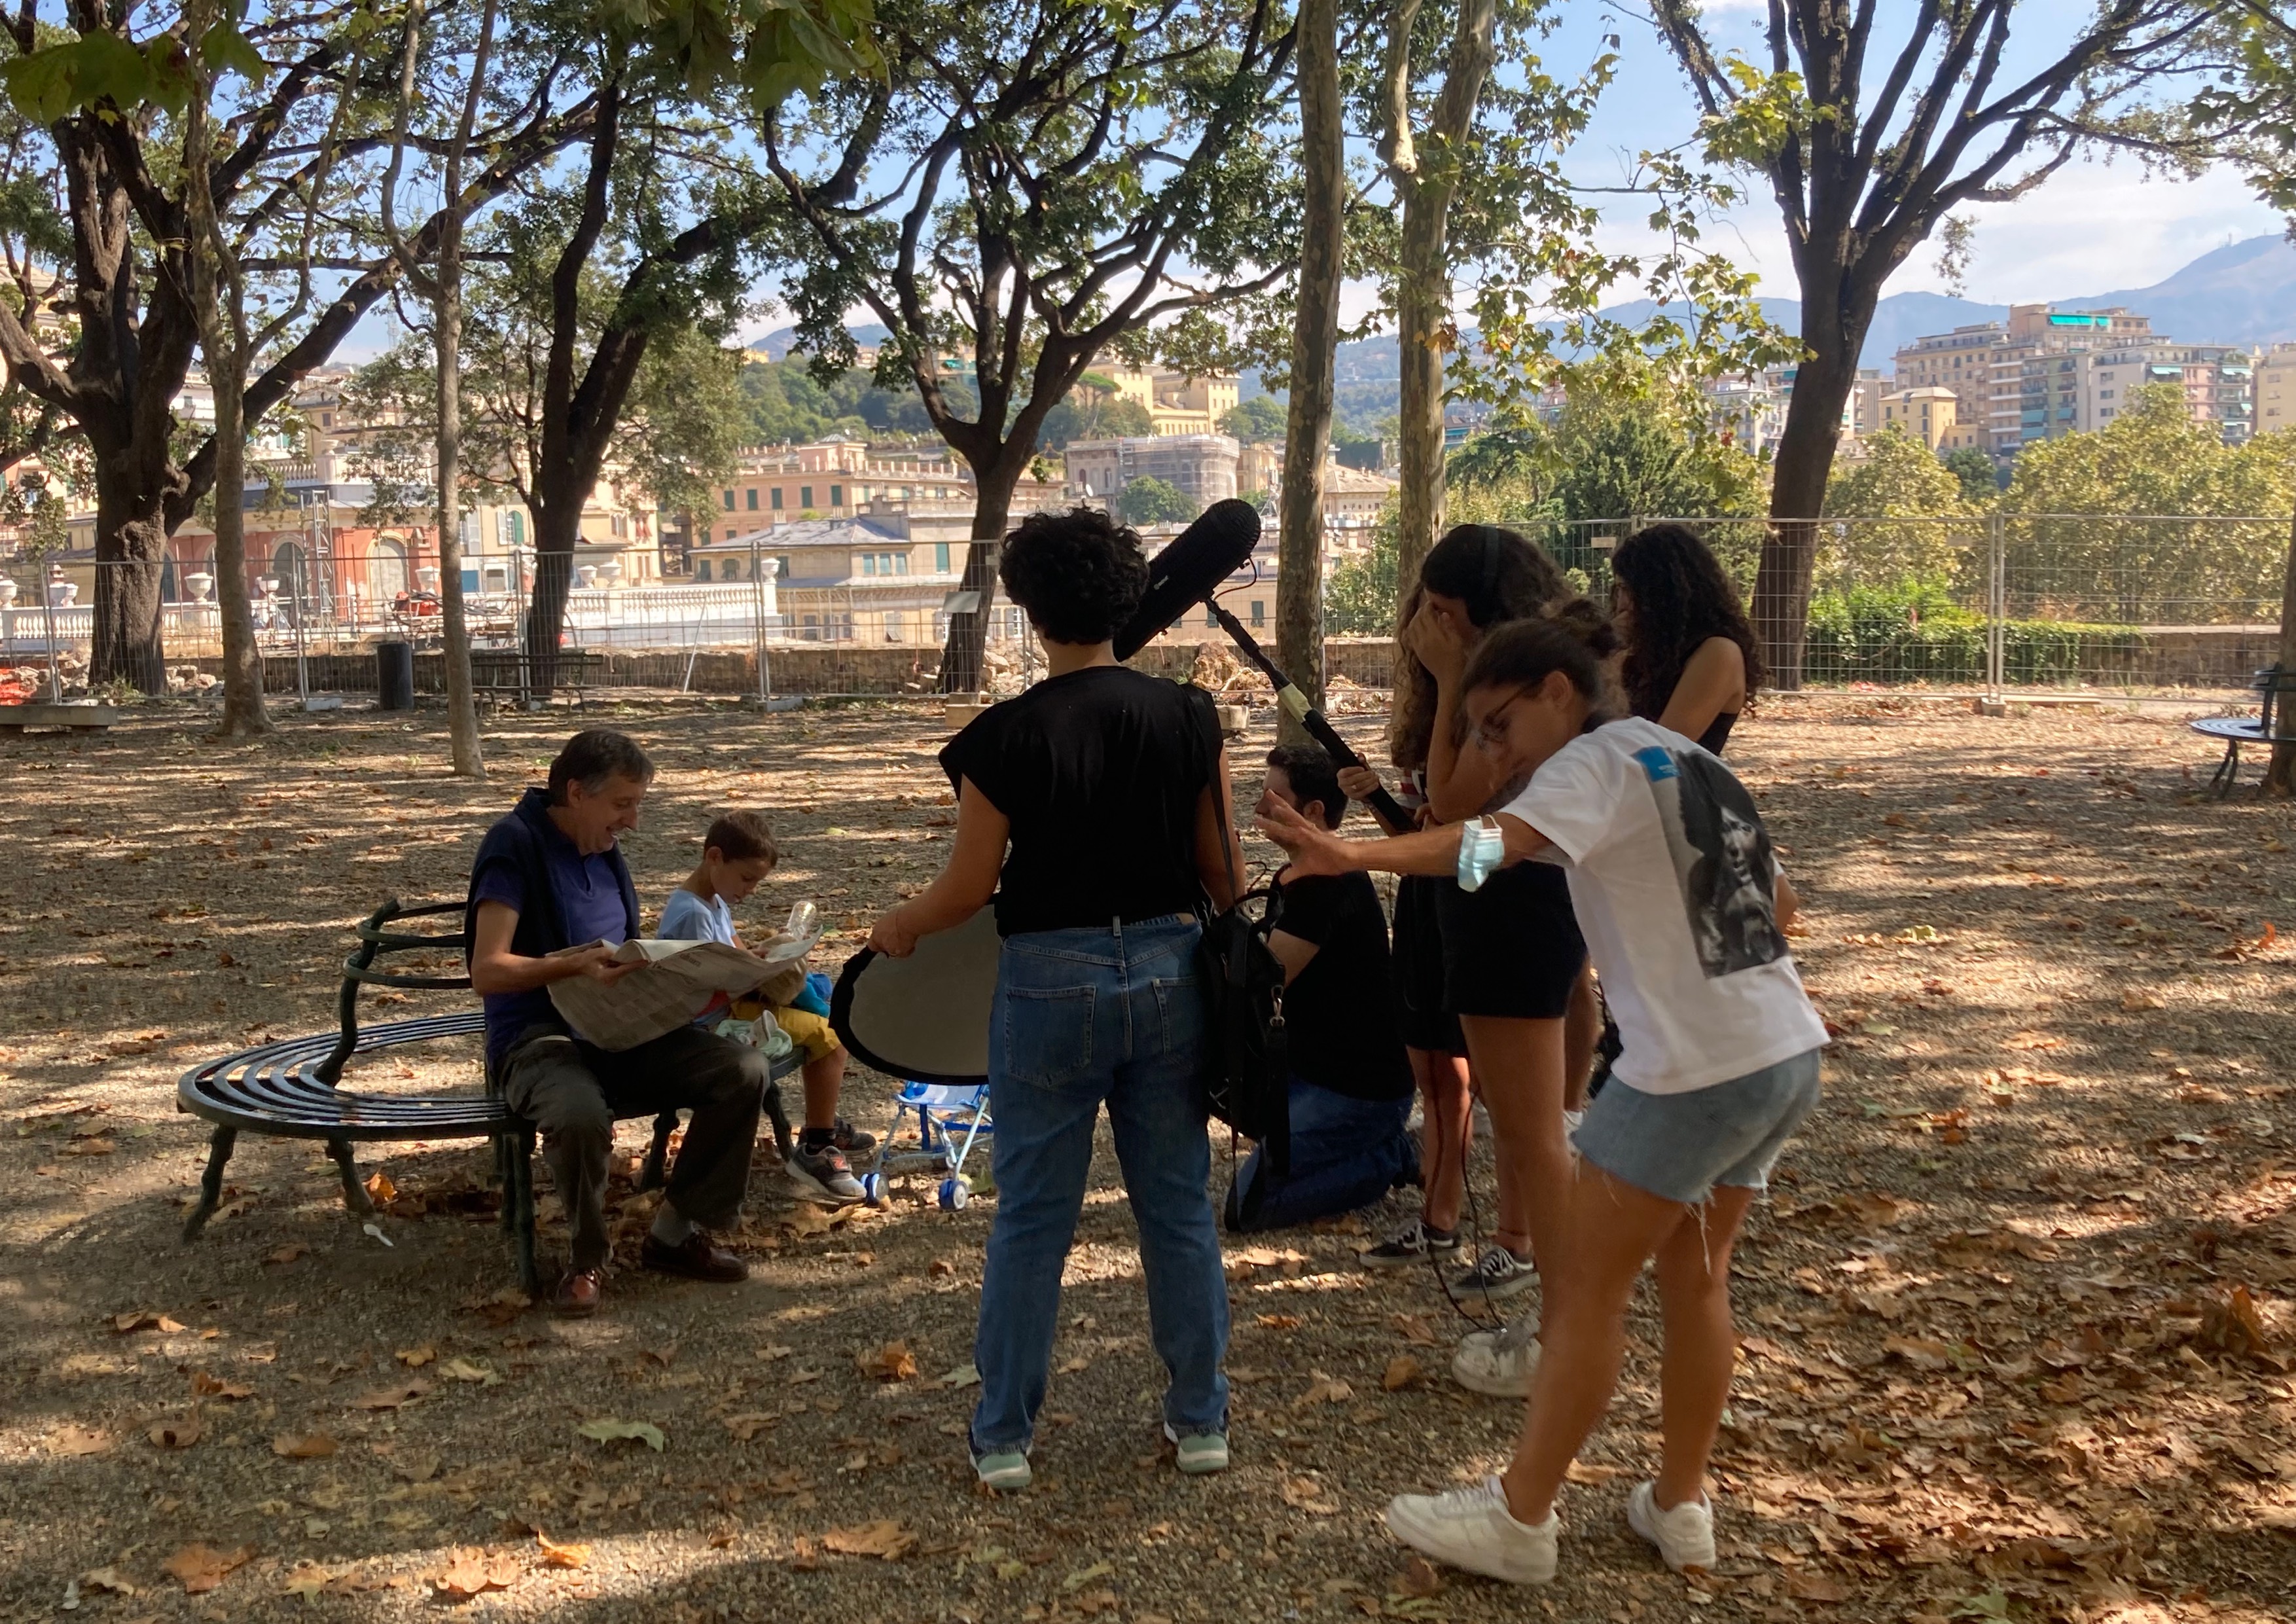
(678, 981)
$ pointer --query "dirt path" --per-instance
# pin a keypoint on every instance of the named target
(2017, 1322)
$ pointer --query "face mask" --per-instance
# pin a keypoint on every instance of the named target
(1481, 849)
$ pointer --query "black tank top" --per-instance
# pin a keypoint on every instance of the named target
(1717, 733)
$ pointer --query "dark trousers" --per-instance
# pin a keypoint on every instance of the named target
(1345, 1154)
(573, 1090)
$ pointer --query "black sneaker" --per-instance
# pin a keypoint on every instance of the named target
(851, 1140)
(1414, 1243)
(822, 1172)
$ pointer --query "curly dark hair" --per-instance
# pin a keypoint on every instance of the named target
(1500, 575)
(1079, 574)
(1681, 598)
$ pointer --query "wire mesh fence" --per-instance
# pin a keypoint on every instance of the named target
(1981, 604)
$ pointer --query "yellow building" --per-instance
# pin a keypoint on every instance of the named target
(1931, 415)
(2275, 388)
(1174, 402)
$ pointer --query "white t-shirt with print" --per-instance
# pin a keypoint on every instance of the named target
(1673, 880)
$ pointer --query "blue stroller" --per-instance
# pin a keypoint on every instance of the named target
(950, 1117)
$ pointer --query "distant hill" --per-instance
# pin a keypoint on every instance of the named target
(776, 345)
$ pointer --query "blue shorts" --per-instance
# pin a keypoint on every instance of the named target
(1679, 1146)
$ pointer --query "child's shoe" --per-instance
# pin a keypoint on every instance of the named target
(820, 1171)
(851, 1140)
(1683, 1534)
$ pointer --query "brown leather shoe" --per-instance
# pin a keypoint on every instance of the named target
(695, 1257)
(576, 1293)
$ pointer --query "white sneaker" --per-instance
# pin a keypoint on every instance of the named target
(1471, 1528)
(1499, 1362)
(1684, 1535)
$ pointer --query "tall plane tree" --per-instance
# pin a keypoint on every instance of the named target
(1034, 183)
(1315, 339)
(1871, 124)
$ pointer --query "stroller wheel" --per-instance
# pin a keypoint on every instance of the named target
(872, 1188)
(954, 1192)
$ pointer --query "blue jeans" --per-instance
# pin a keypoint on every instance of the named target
(1346, 1153)
(1080, 1017)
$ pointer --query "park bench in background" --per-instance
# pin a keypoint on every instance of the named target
(290, 1089)
(2272, 687)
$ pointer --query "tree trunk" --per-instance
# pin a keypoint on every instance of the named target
(557, 527)
(243, 713)
(2280, 777)
(469, 761)
(1422, 314)
(963, 655)
(131, 537)
(1300, 511)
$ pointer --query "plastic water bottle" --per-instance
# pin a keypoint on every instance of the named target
(804, 922)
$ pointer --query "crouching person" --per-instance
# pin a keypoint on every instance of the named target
(548, 886)
(1351, 1084)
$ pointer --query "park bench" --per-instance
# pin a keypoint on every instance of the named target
(506, 676)
(2272, 685)
(79, 718)
(290, 1089)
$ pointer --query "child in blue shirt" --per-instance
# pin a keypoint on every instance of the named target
(738, 852)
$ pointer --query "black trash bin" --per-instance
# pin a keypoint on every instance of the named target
(394, 674)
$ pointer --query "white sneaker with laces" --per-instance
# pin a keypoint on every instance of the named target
(1498, 1363)
(1472, 1529)
(1683, 1534)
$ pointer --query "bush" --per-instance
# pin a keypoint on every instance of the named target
(1914, 633)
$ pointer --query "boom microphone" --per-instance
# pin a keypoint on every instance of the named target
(1188, 573)
(1191, 570)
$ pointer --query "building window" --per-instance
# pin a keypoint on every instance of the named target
(900, 563)
(868, 564)
(837, 496)
(805, 496)
(752, 495)
(781, 566)
(777, 498)
(1211, 615)
(702, 569)
(729, 500)
(940, 557)
(1258, 612)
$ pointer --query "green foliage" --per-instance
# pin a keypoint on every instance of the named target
(783, 403)
(2112, 560)
(1261, 420)
(1360, 596)
(2250, 113)
(1913, 633)
(1149, 500)
(1899, 477)
(1093, 417)
(1979, 483)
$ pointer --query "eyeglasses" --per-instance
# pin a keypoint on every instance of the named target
(1492, 730)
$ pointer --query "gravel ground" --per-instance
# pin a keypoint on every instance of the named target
(2018, 1320)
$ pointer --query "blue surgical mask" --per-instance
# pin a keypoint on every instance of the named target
(1482, 847)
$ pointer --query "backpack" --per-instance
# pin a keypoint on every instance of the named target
(1247, 1056)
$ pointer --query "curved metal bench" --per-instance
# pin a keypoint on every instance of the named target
(2265, 729)
(288, 1089)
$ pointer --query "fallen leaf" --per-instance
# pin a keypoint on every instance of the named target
(1419, 1578)
(748, 1424)
(200, 1567)
(176, 1432)
(884, 1537)
(1308, 1495)
(467, 1370)
(206, 1386)
(470, 1571)
(1403, 1370)
(415, 1359)
(74, 1439)
(1076, 1364)
(1591, 1472)
(556, 1555)
(391, 1397)
(107, 1578)
(1815, 1588)
(380, 1190)
(1322, 1390)
(2135, 1001)
(891, 1363)
(606, 1430)
(303, 1446)
(1281, 1322)
(287, 1253)
(308, 1579)
(1082, 1577)
(1919, 1352)
(2235, 1325)
(122, 1323)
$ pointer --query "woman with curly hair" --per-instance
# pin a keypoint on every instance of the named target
(1692, 659)
(1095, 808)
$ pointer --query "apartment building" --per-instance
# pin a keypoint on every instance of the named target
(1176, 403)
(882, 575)
(1931, 415)
(1202, 465)
(2275, 384)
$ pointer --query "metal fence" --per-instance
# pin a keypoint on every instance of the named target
(1988, 603)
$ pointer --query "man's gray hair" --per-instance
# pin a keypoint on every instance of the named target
(592, 757)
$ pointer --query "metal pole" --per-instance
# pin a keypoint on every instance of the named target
(757, 617)
(1996, 632)
(302, 657)
(48, 607)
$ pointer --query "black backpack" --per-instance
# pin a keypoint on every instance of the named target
(1247, 1057)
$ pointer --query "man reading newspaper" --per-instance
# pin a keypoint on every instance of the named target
(550, 876)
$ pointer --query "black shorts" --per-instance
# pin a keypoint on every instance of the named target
(1417, 956)
(1512, 948)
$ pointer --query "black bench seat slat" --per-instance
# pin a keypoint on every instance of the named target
(268, 1089)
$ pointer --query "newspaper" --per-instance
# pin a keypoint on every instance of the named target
(677, 983)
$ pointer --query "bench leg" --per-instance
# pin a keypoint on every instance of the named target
(520, 1198)
(220, 1147)
(779, 1117)
(503, 1177)
(654, 1172)
(2227, 773)
(355, 1195)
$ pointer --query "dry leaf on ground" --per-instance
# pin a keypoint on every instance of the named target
(1403, 1370)
(74, 1439)
(893, 1362)
(200, 1567)
(884, 1537)
(303, 1446)
(469, 1571)
(178, 1431)
(556, 1556)
(605, 1429)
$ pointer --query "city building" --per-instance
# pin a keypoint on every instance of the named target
(882, 575)
(1930, 415)
(1176, 403)
(1201, 466)
(2274, 383)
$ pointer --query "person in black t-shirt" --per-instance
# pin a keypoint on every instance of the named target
(1101, 794)
(1351, 1084)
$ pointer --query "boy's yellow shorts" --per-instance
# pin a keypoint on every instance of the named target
(811, 1033)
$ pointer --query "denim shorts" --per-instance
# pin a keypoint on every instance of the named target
(1679, 1146)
